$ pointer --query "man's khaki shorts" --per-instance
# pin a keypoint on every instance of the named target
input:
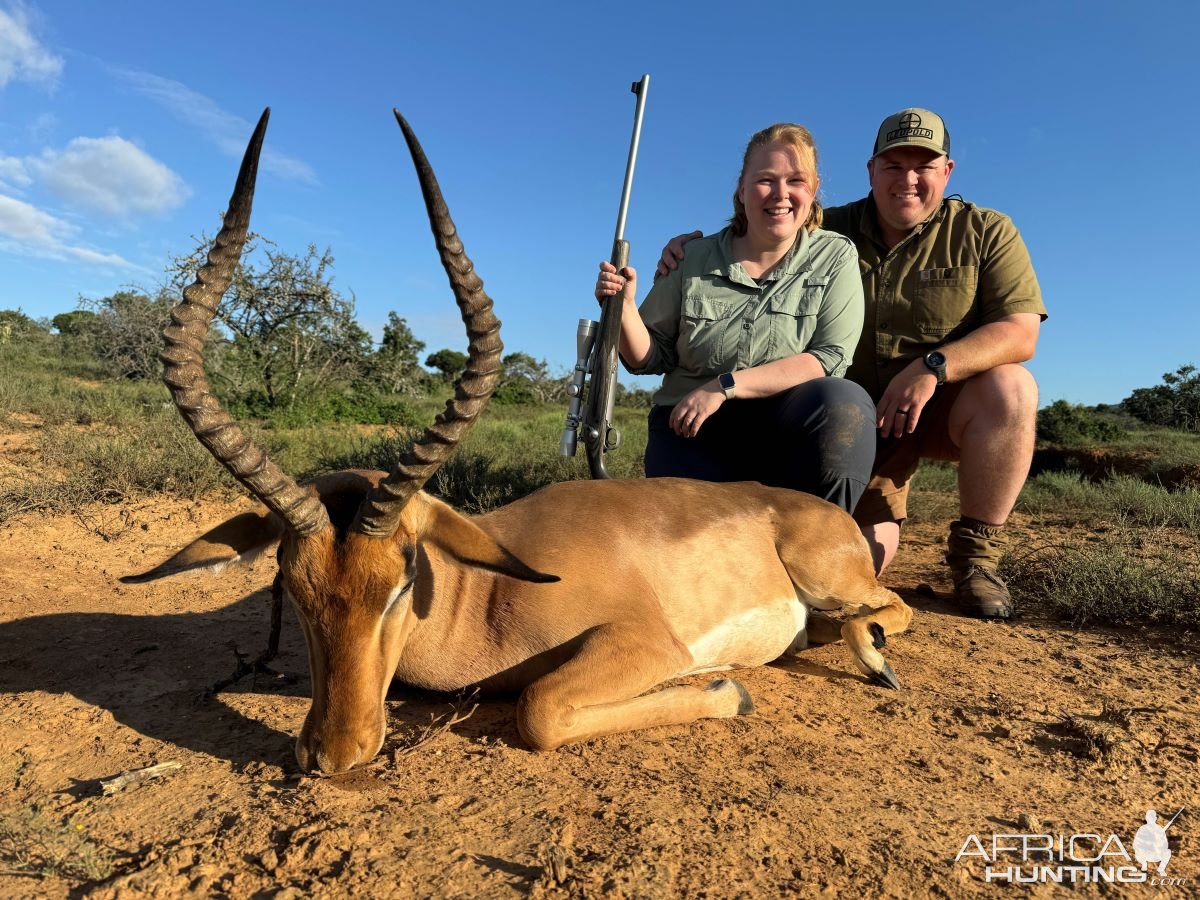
(896, 459)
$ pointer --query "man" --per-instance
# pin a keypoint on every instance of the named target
(1150, 843)
(952, 309)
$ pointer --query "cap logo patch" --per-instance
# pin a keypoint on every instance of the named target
(910, 126)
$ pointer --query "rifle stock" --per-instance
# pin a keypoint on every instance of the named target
(599, 435)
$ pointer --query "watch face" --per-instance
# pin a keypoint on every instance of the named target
(935, 358)
(725, 379)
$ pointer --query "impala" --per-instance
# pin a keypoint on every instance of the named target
(583, 596)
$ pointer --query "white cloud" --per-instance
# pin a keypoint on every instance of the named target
(111, 176)
(227, 131)
(13, 172)
(22, 57)
(33, 232)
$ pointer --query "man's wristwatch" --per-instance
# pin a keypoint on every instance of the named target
(725, 380)
(935, 361)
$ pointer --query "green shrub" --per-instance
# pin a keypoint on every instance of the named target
(1175, 403)
(1119, 577)
(1069, 424)
(361, 405)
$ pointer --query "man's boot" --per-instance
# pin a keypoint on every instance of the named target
(973, 553)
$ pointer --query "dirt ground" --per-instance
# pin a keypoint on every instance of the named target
(832, 788)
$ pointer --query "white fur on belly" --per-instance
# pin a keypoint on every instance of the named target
(750, 638)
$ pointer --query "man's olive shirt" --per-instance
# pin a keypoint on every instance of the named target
(964, 267)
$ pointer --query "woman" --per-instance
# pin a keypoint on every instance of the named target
(752, 331)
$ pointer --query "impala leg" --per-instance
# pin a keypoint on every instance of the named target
(883, 613)
(822, 629)
(601, 689)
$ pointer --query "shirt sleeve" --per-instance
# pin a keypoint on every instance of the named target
(840, 319)
(1007, 283)
(660, 312)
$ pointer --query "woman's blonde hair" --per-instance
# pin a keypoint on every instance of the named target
(801, 140)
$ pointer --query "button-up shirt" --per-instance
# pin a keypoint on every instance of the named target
(709, 316)
(965, 266)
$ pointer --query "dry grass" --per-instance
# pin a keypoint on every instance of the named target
(33, 846)
(1118, 576)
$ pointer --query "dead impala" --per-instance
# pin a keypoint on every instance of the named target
(389, 582)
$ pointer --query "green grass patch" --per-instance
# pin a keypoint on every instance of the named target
(1122, 500)
(512, 451)
(1123, 576)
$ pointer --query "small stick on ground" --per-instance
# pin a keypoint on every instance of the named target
(438, 725)
(137, 776)
(258, 665)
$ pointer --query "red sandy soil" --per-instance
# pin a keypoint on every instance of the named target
(832, 788)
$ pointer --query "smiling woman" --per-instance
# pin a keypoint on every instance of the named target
(753, 331)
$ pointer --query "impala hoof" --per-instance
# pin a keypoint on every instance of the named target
(745, 704)
(885, 677)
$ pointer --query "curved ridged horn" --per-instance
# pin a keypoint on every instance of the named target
(379, 513)
(183, 361)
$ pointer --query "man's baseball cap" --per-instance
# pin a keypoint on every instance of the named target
(913, 128)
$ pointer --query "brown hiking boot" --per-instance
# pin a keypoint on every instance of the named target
(973, 552)
(980, 592)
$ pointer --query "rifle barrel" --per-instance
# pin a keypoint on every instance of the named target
(640, 88)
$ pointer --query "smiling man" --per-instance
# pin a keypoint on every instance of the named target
(952, 310)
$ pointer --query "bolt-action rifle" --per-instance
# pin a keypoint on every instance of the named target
(594, 383)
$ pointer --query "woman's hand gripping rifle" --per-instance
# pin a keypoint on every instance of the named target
(593, 386)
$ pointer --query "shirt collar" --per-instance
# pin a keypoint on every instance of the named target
(796, 260)
(869, 223)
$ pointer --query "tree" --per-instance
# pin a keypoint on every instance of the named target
(76, 323)
(285, 332)
(127, 335)
(15, 327)
(1069, 424)
(1175, 403)
(527, 380)
(450, 363)
(395, 366)
(78, 333)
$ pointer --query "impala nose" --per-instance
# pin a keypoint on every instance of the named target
(330, 757)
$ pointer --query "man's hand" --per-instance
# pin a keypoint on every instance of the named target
(692, 411)
(611, 282)
(672, 254)
(900, 407)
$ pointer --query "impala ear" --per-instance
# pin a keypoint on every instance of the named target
(439, 524)
(238, 541)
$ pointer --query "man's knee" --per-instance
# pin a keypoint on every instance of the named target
(1006, 395)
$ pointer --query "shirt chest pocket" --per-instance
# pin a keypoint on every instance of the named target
(792, 317)
(708, 334)
(943, 299)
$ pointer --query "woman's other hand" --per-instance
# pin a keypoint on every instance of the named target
(610, 283)
(692, 411)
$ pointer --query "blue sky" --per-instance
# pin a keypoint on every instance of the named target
(121, 125)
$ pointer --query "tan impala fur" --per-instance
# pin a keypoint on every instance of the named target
(583, 596)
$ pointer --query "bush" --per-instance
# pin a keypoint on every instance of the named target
(362, 406)
(1112, 579)
(1069, 424)
(1175, 403)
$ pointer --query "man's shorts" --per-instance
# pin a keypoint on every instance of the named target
(896, 459)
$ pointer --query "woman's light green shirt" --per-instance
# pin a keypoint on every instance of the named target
(709, 316)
